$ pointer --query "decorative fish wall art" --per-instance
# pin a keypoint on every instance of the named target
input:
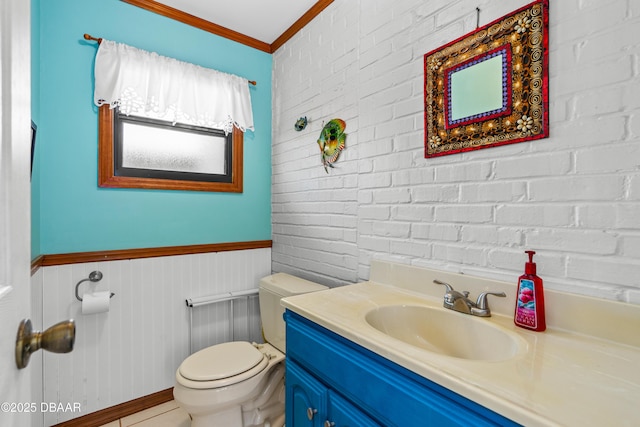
(301, 123)
(331, 142)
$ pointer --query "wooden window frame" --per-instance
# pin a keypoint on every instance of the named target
(106, 165)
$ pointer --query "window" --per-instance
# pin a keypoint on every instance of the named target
(137, 152)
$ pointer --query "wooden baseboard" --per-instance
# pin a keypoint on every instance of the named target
(107, 415)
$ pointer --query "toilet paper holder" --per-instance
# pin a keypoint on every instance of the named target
(94, 276)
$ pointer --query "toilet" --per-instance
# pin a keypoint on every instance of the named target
(241, 384)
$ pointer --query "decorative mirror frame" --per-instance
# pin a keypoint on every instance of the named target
(521, 39)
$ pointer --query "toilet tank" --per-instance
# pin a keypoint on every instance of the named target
(272, 289)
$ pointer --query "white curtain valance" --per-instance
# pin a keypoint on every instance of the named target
(147, 84)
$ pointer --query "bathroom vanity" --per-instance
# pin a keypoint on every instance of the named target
(332, 379)
(349, 363)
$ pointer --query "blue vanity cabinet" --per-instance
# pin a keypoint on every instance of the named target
(312, 404)
(353, 387)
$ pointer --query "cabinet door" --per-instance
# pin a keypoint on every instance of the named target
(341, 413)
(306, 398)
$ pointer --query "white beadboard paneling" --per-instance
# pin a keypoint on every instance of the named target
(134, 349)
(36, 359)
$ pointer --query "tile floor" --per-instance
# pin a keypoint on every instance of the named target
(164, 415)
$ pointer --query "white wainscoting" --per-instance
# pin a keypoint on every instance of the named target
(134, 349)
(36, 359)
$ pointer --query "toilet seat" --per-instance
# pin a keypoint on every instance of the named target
(221, 365)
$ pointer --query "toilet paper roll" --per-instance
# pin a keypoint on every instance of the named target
(96, 302)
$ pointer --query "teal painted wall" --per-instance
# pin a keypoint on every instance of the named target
(75, 215)
(35, 116)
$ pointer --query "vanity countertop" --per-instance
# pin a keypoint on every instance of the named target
(563, 376)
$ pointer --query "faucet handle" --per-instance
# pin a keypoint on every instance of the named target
(481, 303)
(482, 308)
(448, 286)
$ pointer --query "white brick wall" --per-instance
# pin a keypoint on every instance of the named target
(573, 197)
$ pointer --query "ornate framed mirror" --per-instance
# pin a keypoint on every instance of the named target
(489, 87)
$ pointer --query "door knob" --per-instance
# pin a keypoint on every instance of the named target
(59, 338)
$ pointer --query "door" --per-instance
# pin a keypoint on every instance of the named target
(15, 206)
(306, 398)
(341, 413)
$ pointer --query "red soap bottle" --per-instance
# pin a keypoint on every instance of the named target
(530, 299)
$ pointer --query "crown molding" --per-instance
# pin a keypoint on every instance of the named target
(194, 21)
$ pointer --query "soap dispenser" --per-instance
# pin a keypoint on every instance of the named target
(529, 312)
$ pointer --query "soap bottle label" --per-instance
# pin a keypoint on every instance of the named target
(526, 311)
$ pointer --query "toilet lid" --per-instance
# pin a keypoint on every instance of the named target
(220, 361)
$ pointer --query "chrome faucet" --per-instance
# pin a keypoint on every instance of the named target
(459, 301)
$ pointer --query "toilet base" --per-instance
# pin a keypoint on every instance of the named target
(229, 417)
(267, 409)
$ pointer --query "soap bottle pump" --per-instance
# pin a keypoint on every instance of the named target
(529, 312)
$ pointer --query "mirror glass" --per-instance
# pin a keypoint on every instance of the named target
(476, 89)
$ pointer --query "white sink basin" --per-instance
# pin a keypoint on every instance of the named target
(445, 332)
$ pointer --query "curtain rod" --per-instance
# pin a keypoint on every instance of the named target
(99, 40)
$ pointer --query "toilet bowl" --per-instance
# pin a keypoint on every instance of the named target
(241, 384)
(213, 384)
